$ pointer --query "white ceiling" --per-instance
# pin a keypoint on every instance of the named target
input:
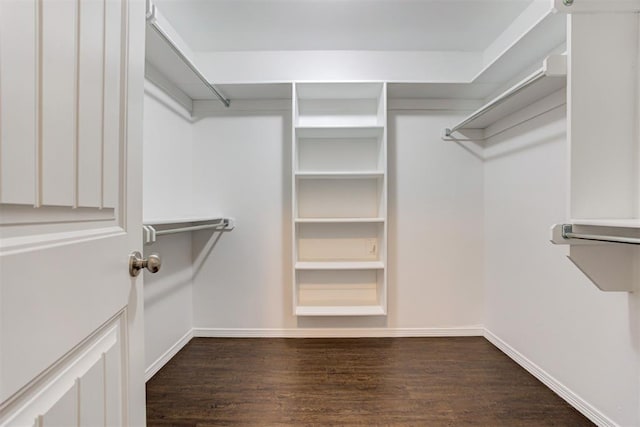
(395, 25)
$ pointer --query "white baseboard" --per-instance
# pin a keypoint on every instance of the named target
(167, 355)
(473, 331)
(556, 386)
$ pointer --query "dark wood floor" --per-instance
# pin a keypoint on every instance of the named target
(367, 381)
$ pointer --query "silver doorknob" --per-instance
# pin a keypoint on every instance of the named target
(137, 263)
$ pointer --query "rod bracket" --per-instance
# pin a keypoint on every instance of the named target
(150, 15)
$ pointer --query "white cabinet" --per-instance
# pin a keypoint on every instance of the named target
(339, 199)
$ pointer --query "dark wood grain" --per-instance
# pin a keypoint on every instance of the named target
(350, 382)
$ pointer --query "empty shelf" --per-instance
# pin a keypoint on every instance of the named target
(338, 220)
(339, 265)
(171, 58)
(357, 310)
(339, 175)
(339, 131)
(621, 223)
(547, 80)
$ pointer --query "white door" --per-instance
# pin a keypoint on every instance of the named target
(71, 331)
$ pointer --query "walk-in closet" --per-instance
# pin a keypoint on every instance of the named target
(319, 212)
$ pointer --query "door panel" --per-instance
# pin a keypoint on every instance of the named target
(76, 390)
(18, 102)
(64, 411)
(50, 306)
(58, 40)
(71, 75)
(91, 102)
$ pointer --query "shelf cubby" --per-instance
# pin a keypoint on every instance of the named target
(339, 105)
(340, 293)
(335, 151)
(340, 198)
(339, 242)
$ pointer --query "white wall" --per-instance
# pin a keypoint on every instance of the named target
(537, 301)
(435, 225)
(168, 153)
(167, 191)
(339, 65)
(243, 163)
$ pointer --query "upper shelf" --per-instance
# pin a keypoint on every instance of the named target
(618, 223)
(171, 61)
(545, 81)
(507, 59)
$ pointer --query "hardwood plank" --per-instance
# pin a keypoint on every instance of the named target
(350, 382)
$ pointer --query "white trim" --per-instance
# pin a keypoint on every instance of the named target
(167, 355)
(556, 386)
(472, 331)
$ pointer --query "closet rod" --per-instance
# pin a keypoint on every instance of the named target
(151, 20)
(567, 233)
(490, 106)
(223, 223)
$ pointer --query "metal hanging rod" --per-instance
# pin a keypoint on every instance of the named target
(151, 233)
(508, 128)
(493, 104)
(153, 23)
(223, 223)
(567, 233)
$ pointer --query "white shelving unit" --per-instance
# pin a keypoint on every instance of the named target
(339, 199)
(550, 78)
(603, 226)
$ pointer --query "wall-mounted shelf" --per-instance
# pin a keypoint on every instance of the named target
(607, 255)
(545, 81)
(170, 64)
(341, 265)
(603, 141)
(339, 220)
(153, 228)
(355, 310)
(509, 59)
(340, 175)
(605, 222)
(339, 132)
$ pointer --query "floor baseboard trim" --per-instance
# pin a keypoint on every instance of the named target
(473, 331)
(167, 355)
(556, 386)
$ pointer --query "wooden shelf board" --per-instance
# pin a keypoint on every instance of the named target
(353, 310)
(622, 223)
(346, 265)
(338, 220)
(339, 90)
(339, 131)
(339, 175)
(547, 34)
